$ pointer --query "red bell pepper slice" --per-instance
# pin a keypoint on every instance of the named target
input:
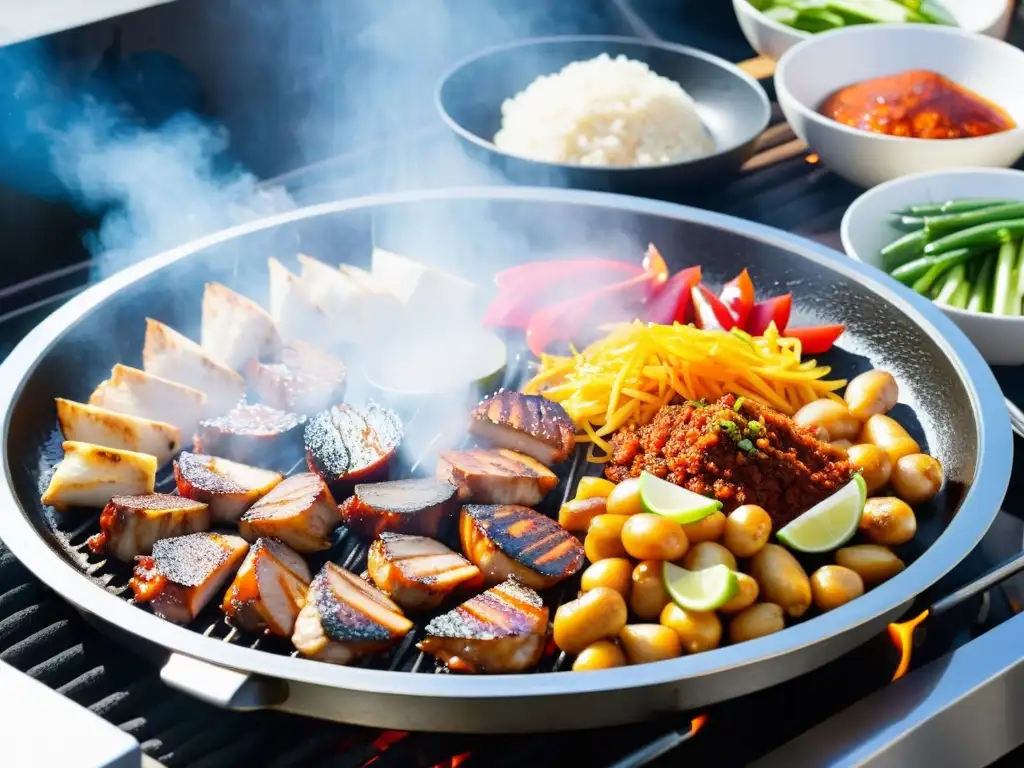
(769, 311)
(816, 340)
(672, 303)
(565, 320)
(738, 297)
(711, 313)
(540, 273)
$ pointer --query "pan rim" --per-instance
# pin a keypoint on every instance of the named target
(978, 509)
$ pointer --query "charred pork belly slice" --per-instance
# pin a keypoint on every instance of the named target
(529, 424)
(131, 525)
(502, 630)
(99, 426)
(248, 432)
(306, 380)
(229, 488)
(235, 328)
(269, 589)
(173, 356)
(90, 475)
(345, 618)
(300, 511)
(507, 540)
(400, 506)
(294, 310)
(145, 396)
(496, 476)
(346, 445)
(418, 573)
(183, 573)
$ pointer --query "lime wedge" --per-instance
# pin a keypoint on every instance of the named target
(830, 523)
(704, 590)
(674, 502)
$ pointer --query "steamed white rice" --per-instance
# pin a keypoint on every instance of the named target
(603, 111)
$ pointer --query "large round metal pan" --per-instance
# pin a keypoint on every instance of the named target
(948, 391)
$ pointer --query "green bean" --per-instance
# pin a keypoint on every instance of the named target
(939, 267)
(950, 206)
(937, 226)
(993, 233)
(906, 223)
(1003, 287)
(961, 295)
(905, 249)
(981, 289)
(951, 283)
(1018, 294)
(912, 271)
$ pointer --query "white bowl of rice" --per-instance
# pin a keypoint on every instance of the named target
(605, 112)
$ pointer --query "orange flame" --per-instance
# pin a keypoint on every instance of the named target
(813, 159)
(902, 636)
(697, 723)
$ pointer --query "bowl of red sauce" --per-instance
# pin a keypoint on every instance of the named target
(880, 102)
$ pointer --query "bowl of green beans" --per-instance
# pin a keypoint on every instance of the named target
(772, 27)
(956, 238)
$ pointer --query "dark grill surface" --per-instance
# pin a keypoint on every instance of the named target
(45, 638)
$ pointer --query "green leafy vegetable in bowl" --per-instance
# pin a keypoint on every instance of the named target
(823, 15)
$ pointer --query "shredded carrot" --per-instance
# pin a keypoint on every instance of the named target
(637, 368)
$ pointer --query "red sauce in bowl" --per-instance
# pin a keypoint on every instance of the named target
(917, 104)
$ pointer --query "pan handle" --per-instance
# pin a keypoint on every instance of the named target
(222, 686)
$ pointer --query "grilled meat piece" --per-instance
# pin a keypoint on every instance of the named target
(530, 424)
(235, 328)
(295, 311)
(228, 487)
(183, 573)
(171, 355)
(137, 393)
(306, 380)
(300, 511)
(345, 618)
(496, 476)
(400, 506)
(418, 573)
(269, 589)
(502, 630)
(99, 426)
(250, 432)
(346, 445)
(131, 525)
(90, 475)
(508, 540)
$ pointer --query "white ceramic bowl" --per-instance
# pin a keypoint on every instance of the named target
(865, 231)
(772, 39)
(813, 70)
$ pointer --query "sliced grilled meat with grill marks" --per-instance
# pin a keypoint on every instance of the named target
(300, 511)
(530, 424)
(496, 476)
(131, 525)
(249, 433)
(269, 589)
(418, 573)
(183, 573)
(345, 618)
(137, 393)
(346, 445)
(306, 379)
(400, 506)
(100, 426)
(228, 487)
(174, 356)
(502, 630)
(508, 540)
(90, 475)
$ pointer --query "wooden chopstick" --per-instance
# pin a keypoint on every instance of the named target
(782, 152)
(760, 67)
